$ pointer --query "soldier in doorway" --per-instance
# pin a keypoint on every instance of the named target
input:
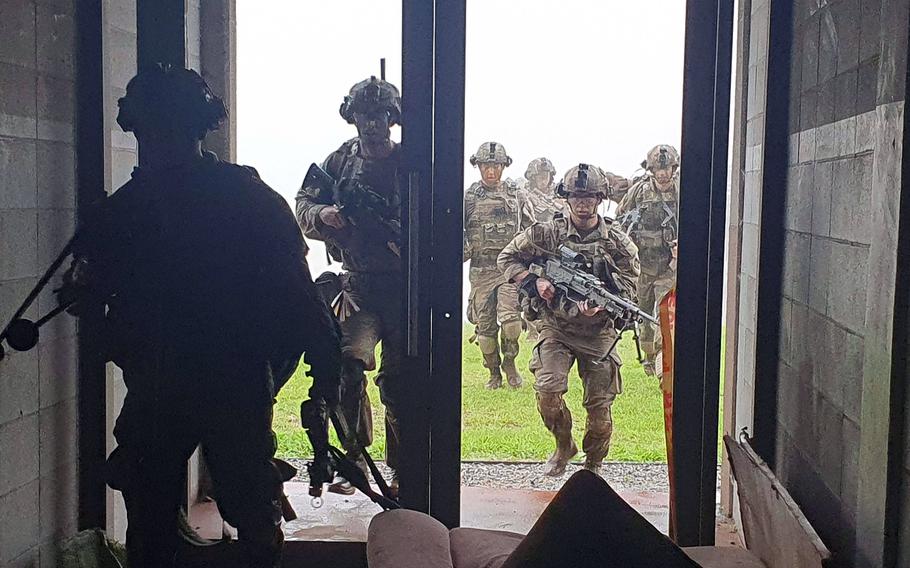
(569, 331)
(494, 212)
(199, 268)
(369, 307)
(540, 189)
(648, 213)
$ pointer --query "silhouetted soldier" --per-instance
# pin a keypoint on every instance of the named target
(209, 308)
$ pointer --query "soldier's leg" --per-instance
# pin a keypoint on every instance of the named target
(359, 336)
(646, 330)
(148, 466)
(550, 363)
(509, 314)
(239, 446)
(391, 385)
(601, 382)
(482, 313)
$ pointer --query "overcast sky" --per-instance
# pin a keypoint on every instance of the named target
(596, 81)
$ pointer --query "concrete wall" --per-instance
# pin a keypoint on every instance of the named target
(834, 67)
(846, 126)
(38, 424)
(38, 411)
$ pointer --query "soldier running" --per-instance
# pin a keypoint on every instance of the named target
(571, 332)
(494, 212)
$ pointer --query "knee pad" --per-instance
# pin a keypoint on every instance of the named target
(511, 330)
(488, 344)
(549, 401)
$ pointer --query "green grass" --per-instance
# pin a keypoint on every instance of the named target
(504, 424)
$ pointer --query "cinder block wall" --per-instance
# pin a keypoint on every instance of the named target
(835, 63)
(847, 87)
(38, 425)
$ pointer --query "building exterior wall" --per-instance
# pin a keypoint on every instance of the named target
(38, 422)
(847, 82)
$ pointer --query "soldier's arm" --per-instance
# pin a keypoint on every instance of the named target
(466, 247)
(294, 317)
(626, 264)
(627, 203)
(517, 256)
(308, 207)
(527, 211)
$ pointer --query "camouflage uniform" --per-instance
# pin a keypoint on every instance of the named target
(543, 200)
(371, 282)
(567, 336)
(650, 217)
(209, 305)
(492, 216)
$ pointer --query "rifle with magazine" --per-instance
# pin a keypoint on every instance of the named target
(568, 275)
(361, 206)
(574, 283)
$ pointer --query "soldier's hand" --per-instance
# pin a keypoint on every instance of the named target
(332, 217)
(586, 309)
(545, 289)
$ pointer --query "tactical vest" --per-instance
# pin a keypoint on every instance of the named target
(494, 222)
(657, 225)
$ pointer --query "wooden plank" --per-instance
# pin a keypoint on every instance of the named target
(774, 528)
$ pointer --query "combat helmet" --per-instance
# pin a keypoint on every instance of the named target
(660, 157)
(584, 180)
(370, 95)
(540, 165)
(167, 97)
(491, 153)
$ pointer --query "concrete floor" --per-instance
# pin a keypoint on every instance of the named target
(346, 519)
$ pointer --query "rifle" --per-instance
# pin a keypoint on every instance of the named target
(567, 273)
(361, 206)
(327, 459)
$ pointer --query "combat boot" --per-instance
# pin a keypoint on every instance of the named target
(491, 361)
(565, 451)
(342, 486)
(594, 466)
(495, 381)
(513, 377)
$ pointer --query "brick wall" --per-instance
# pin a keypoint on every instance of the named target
(38, 425)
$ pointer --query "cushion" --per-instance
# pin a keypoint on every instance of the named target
(587, 525)
(407, 539)
(480, 548)
(723, 557)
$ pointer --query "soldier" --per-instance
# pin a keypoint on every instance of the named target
(648, 213)
(369, 309)
(209, 305)
(540, 188)
(576, 332)
(494, 212)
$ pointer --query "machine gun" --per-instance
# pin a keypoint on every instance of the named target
(361, 206)
(567, 273)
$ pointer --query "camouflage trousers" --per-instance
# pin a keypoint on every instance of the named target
(652, 287)
(165, 416)
(552, 359)
(494, 310)
(376, 321)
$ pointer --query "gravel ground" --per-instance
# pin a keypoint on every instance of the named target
(622, 476)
